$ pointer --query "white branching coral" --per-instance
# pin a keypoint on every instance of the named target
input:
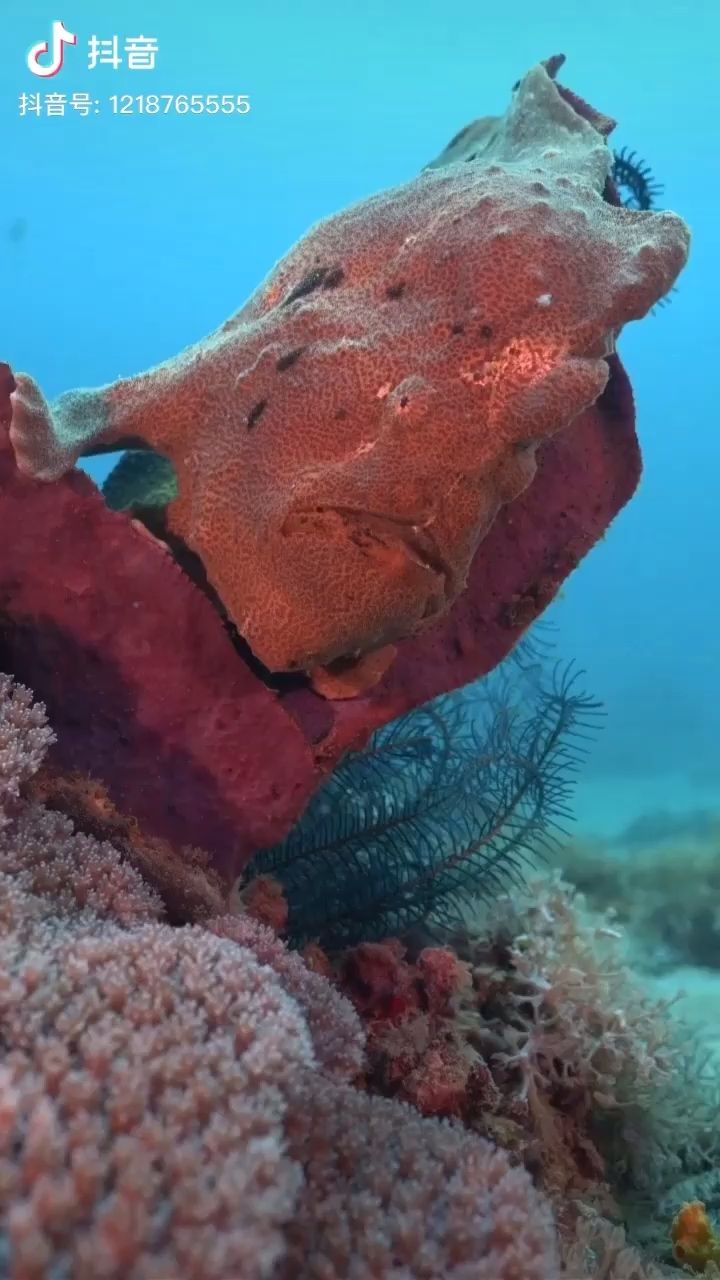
(24, 739)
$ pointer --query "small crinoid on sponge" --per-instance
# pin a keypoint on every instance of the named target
(344, 443)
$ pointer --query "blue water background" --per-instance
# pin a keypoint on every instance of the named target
(124, 238)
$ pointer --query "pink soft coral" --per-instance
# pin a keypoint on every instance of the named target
(175, 1102)
(24, 739)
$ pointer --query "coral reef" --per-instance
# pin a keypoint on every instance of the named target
(198, 1100)
(205, 1063)
(379, 473)
(177, 1101)
(530, 1028)
(658, 882)
(525, 1026)
(601, 1251)
(476, 305)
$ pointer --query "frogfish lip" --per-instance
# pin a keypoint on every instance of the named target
(383, 532)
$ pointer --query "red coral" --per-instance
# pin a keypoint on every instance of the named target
(442, 976)
(379, 981)
(440, 1087)
(384, 985)
(415, 1047)
(529, 1031)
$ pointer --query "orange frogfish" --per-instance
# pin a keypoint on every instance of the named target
(344, 442)
(694, 1241)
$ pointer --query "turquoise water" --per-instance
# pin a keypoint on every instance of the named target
(125, 237)
(148, 187)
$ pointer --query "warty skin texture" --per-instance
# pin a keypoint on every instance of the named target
(344, 443)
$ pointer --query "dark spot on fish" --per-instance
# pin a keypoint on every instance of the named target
(472, 156)
(396, 290)
(458, 328)
(340, 414)
(308, 284)
(256, 413)
(333, 278)
(404, 402)
(486, 331)
(287, 360)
